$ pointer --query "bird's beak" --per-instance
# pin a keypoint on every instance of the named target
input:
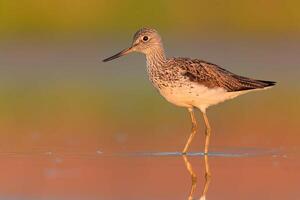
(122, 53)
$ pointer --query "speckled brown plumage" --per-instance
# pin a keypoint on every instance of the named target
(213, 76)
(190, 83)
(195, 79)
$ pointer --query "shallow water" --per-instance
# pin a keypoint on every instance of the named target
(241, 173)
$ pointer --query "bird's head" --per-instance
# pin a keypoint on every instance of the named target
(145, 41)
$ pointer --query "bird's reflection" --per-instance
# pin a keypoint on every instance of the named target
(207, 177)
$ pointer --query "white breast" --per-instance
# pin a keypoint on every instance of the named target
(196, 95)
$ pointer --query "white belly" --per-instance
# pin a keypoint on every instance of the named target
(197, 96)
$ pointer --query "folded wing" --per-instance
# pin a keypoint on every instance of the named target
(213, 76)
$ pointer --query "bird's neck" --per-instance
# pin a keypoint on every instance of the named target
(156, 57)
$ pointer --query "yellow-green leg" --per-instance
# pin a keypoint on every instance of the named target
(193, 132)
(207, 133)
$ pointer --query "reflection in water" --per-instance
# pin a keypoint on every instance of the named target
(207, 177)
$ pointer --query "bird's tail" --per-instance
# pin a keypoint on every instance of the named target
(267, 83)
(252, 84)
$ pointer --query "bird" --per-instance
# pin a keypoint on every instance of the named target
(189, 83)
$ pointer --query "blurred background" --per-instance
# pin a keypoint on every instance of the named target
(57, 96)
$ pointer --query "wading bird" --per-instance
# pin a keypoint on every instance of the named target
(189, 83)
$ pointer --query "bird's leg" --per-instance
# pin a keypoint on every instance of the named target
(193, 132)
(207, 133)
(188, 166)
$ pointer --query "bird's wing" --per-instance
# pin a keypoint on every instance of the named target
(213, 76)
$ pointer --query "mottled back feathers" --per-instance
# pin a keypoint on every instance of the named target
(213, 76)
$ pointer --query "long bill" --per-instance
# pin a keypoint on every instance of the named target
(122, 53)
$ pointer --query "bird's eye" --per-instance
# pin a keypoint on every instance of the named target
(145, 38)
